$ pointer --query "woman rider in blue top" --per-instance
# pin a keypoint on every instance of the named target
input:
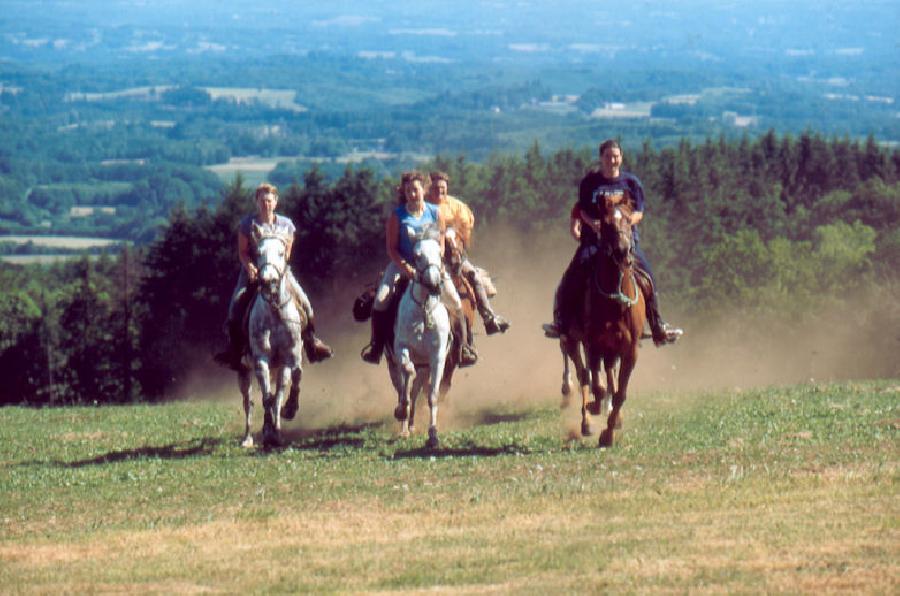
(403, 228)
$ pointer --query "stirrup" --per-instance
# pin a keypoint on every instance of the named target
(467, 356)
(551, 330)
(667, 334)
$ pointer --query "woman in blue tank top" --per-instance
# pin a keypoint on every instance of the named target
(405, 225)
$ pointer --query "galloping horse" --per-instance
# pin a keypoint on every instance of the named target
(612, 323)
(453, 259)
(421, 338)
(275, 327)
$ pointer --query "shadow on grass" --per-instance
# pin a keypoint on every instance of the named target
(488, 418)
(469, 450)
(326, 439)
(173, 452)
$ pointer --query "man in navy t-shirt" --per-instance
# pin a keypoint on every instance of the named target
(593, 191)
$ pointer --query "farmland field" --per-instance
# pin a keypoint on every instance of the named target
(782, 489)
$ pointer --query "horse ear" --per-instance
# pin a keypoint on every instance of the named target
(256, 232)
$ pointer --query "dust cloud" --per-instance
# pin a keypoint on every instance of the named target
(522, 368)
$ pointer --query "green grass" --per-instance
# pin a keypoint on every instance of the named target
(783, 489)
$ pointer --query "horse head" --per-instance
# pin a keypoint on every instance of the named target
(427, 252)
(616, 233)
(453, 250)
(271, 260)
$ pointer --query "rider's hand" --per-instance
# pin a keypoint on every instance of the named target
(251, 272)
(409, 270)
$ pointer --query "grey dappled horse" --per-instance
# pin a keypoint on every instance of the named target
(421, 337)
(275, 328)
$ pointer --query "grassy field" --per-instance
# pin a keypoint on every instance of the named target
(776, 490)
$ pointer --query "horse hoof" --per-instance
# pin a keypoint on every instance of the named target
(594, 407)
(412, 428)
(586, 430)
(606, 439)
(404, 434)
(433, 442)
(271, 438)
(247, 442)
(289, 409)
(566, 389)
(400, 413)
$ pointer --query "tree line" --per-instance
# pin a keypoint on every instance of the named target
(772, 223)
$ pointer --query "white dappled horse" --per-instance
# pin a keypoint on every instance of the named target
(421, 337)
(275, 328)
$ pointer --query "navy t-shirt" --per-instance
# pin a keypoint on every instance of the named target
(592, 193)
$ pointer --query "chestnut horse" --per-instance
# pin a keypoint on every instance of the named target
(612, 321)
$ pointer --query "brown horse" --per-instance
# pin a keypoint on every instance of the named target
(612, 321)
(453, 259)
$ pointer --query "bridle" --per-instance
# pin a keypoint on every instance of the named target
(271, 291)
(623, 261)
(432, 289)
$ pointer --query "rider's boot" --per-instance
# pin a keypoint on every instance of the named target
(316, 349)
(372, 352)
(232, 356)
(662, 332)
(554, 330)
(493, 323)
(467, 354)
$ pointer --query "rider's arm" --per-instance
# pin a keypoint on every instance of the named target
(575, 228)
(289, 245)
(392, 241)
(468, 224)
(244, 256)
(593, 223)
(636, 217)
(575, 223)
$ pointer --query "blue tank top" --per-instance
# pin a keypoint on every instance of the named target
(411, 227)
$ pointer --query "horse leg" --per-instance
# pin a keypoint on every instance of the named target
(245, 382)
(293, 401)
(437, 371)
(415, 390)
(282, 380)
(407, 374)
(610, 365)
(581, 371)
(413, 398)
(265, 388)
(597, 391)
(626, 365)
(566, 389)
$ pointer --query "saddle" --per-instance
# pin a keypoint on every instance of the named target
(246, 305)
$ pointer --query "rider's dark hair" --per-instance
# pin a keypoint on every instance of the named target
(609, 144)
(408, 178)
(438, 175)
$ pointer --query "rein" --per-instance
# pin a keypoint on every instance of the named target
(274, 300)
(618, 296)
(427, 317)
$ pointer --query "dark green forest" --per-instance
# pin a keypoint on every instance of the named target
(773, 224)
